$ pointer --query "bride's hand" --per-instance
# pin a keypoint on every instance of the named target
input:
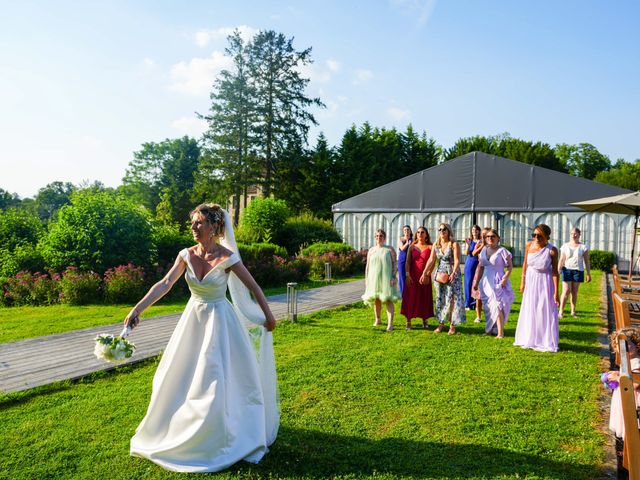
(270, 323)
(133, 319)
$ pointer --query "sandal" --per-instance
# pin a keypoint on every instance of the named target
(439, 328)
(452, 330)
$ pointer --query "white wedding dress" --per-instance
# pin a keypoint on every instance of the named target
(214, 399)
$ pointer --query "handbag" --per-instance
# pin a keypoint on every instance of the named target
(442, 277)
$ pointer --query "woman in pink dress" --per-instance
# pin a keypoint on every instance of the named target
(417, 298)
(492, 279)
(538, 321)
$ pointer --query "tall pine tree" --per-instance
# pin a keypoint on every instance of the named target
(283, 118)
(229, 166)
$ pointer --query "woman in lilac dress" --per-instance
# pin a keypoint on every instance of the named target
(493, 282)
(538, 321)
(404, 242)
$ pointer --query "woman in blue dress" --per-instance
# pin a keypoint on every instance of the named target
(403, 245)
(470, 267)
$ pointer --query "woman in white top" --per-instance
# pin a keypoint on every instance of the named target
(574, 260)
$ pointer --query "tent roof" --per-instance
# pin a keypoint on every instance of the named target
(478, 182)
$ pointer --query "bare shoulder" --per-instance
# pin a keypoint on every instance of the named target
(224, 252)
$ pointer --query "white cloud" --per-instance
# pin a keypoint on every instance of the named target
(362, 76)
(149, 63)
(418, 9)
(196, 77)
(333, 65)
(202, 38)
(190, 126)
(320, 73)
(399, 114)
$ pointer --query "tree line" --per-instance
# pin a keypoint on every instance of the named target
(257, 135)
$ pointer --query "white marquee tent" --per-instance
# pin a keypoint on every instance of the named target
(490, 191)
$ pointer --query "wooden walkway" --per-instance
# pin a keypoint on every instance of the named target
(38, 361)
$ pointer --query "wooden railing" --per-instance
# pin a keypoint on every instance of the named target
(631, 451)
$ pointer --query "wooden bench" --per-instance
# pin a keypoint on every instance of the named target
(630, 293)
(631, 451)
(623, 312)
(626, 286)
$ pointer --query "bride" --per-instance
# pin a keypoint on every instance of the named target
(214, 398)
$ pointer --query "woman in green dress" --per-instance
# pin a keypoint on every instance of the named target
(380, 279)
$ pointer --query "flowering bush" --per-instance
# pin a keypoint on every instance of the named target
(342, 265)
(124, 284)
(46, 289)
(79, 288)
(277, 270)
(18, 289)
(27, 288)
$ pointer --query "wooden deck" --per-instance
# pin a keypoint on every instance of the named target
(38, 361)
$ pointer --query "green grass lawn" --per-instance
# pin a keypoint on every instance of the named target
(356, 403)
(18, 323)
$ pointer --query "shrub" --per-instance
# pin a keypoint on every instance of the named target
(342, 265)
(18, 289)
(24, 257)
(167, 241)
(124, 284)
(262, 219)
(79, 288)
(303, 230)
(4, 295)
(260, 251)
(321, 248)
(19, 227)
(26, 288)
(46, 289)
(277, 271)
(97, 231)
(602, 260)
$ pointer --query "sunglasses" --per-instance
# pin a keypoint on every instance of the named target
(536, 235)
(443, 230)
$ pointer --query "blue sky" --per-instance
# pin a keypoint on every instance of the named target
(83, 84)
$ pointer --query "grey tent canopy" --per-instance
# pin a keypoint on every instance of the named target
(479, 182)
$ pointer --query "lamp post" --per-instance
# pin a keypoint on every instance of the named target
(292, 301)
(327, 272)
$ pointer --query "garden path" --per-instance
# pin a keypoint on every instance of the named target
(42, 360)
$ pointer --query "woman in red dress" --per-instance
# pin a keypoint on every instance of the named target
(417, 299)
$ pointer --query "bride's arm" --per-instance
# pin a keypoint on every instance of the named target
(156, 292)
(243, 274)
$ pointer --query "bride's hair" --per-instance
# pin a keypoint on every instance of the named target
(213, 214)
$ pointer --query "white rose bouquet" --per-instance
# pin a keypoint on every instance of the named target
(114, 349)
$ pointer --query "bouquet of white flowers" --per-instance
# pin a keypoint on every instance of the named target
(114, 349)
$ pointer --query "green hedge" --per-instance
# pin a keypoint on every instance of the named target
(303, 230)
(260, 251)
(321, 248)
(602, 260)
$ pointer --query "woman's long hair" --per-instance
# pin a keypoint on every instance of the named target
(427, 240)
(438, 243)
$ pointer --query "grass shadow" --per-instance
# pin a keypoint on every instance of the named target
(313, 454)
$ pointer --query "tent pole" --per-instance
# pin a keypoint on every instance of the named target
(633, 243)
